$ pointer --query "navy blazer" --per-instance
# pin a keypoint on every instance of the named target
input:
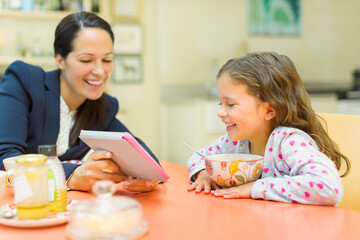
(30, 114)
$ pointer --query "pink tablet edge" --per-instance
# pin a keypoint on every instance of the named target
(130, 139)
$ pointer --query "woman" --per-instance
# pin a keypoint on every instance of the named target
(38, 107)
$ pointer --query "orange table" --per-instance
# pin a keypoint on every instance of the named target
(173, 213)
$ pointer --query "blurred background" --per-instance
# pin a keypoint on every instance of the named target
(167, 53)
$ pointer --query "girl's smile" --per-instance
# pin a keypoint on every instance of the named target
(244, 116)
(230, 126)
(238, 109)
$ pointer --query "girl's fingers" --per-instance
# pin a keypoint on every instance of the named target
(199, 187)
(195, 186)
(232, 195)
(242, 191)
(192, 187)
(215, 186)
(220, 192)
(207, 188)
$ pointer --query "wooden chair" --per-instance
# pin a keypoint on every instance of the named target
(345, 131)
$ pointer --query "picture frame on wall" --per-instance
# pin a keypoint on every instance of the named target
(126, 10)
(127, 69)
(128, 39)
(276, 18)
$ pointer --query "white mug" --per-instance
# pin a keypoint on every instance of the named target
(10, 165)
(3, 180)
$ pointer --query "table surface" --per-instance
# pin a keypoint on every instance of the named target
(173, 213)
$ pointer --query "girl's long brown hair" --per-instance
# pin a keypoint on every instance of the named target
(273, 78)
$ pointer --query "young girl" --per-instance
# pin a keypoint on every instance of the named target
(267, 112)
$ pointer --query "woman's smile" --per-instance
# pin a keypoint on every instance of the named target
(86, 69)
(95, 83)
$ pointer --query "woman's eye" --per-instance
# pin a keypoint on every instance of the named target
(107, 60)
(85, 61)
(230, 104)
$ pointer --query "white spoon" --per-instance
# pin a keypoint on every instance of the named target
(8, 214)
(192, 148)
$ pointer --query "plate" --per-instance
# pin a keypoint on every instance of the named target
(51, 220)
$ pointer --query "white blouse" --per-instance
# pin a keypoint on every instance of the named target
(67, 120)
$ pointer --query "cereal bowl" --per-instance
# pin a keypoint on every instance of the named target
(228, 170)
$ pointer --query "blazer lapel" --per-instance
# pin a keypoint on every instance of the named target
(52, 118)
(75, 153)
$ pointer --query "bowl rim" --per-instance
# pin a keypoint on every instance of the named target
(261, 158)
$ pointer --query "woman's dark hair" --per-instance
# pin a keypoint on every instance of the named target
(67, 30)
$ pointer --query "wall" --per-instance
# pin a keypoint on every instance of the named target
(140, 103)
(44, 34)
(186, 41)
(327, 50)
(189, 48)
(189, 43)
(195, 37)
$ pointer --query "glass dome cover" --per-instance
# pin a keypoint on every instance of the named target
(106, 217)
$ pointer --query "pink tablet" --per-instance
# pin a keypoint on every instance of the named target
(127, 153)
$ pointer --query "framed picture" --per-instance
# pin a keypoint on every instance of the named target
(274, 17)
(126, 10)
(128, 39)
(127, 69)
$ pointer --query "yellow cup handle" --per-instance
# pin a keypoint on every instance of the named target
(9, 174)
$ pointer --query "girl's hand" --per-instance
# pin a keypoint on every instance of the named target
(203, 182)
(98, 166)
(241, 191)
(139, 185)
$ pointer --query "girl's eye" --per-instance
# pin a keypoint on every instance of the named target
(228, 104)
(85, 61)
(107, 60)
